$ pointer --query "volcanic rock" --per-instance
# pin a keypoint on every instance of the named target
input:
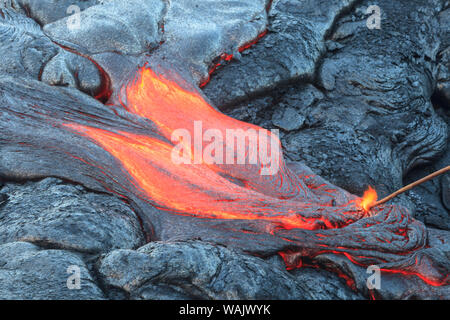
(446, 191)
(35, 56)
(47, 11)
(291, 50)
(392, 286)
(28, 272)
(3, 199)
(443, 85)
(123, 26)
(198, 270)
(195, 36)
(353, 103)
(288, 119)
(30, 50)
(64, 216)
(431, 199)
(68, 69)
(375, 121)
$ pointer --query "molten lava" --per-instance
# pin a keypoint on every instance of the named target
(201, 189)
(369, 199)
(301, 210)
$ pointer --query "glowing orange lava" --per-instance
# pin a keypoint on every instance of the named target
(369, 199)
(240, 192)
(202, 189)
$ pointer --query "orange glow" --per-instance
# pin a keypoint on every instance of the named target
(227, 57)
(369, 198)
(193, 189)
(200, 189)
(210, 191)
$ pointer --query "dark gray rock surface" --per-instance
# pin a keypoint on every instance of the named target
(196, 35)
(288, 119)
(197, 270)
(47, 11)
(325, 285)
(124, 26)
(445, 185)
(291, 50)
(28, 272)
(68, 69)
(432, 199)
(30, 51)
(443, 85)
(33, 55)
(392, 286)
(64, 216)
(370, 119)
(352, 103)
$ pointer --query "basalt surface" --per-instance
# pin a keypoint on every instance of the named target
(358, 106)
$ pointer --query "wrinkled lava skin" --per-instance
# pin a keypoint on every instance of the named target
(315, 218)
(124, 148)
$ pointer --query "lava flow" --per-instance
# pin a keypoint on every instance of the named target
(303, 211)
(209, 190)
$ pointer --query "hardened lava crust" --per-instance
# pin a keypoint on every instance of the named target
(92, 92)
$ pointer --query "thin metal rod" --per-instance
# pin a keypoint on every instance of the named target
(412, 185)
